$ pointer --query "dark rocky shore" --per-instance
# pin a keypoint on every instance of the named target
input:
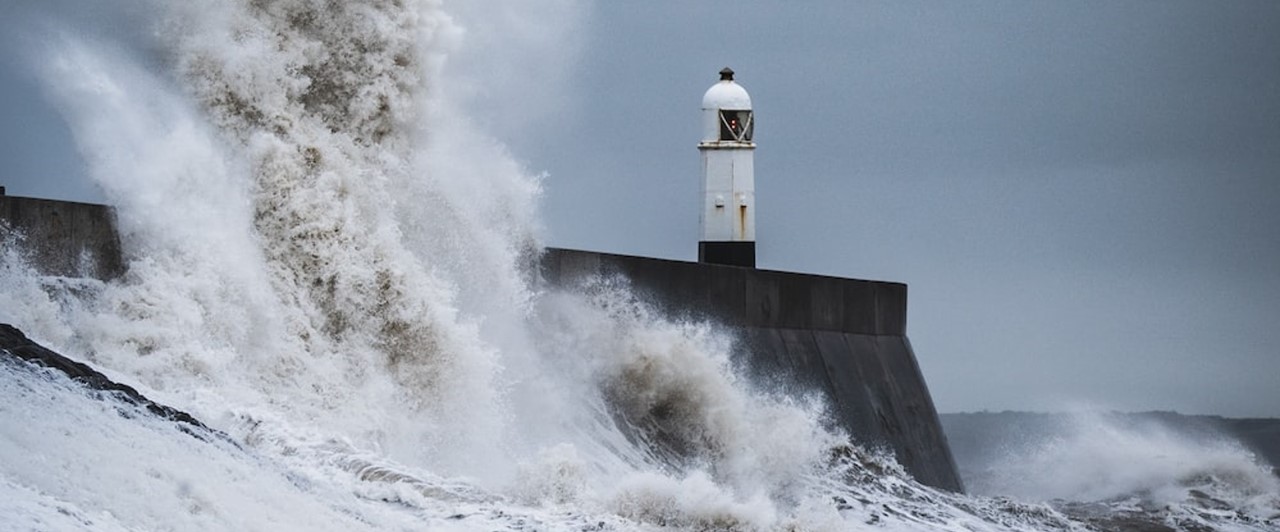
(13, 343)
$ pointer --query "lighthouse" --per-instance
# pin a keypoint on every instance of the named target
(728, 175)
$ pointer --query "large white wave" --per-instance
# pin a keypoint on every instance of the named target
(317, 238)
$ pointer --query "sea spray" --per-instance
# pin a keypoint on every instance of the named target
(1127, 462)
(304, 290)
(308, 297)
(676, 388)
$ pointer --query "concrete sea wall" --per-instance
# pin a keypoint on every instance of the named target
(843, 338)
(63, 238)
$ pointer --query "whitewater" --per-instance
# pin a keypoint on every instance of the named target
(333, 267)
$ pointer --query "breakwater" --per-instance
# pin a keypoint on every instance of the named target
(844, 339)
(63, 238)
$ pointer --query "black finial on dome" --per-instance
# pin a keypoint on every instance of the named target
(726, 74)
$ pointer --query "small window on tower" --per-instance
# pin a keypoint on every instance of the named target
(735, 125)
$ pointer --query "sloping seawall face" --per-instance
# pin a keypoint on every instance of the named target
(843, 338)
(63, 238)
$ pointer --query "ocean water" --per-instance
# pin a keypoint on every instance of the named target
(330, 264)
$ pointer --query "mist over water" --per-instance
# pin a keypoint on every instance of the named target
(1099, 456)
(331, 264)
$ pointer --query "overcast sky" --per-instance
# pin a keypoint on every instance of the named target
(1083, 197)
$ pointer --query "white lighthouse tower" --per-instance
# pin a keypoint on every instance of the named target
(728, 175)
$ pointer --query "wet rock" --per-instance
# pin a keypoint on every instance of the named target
(16, 344)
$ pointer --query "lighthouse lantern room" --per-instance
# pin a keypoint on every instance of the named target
(728, 181)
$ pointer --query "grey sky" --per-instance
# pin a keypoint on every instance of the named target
(1084, 197)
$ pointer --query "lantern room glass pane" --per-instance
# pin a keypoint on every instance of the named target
(736, 125)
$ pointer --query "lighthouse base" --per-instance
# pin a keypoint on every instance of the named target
(728, 253)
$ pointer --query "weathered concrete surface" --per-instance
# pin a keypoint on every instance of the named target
(63, 238)
(843, 338)
(745, 296)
